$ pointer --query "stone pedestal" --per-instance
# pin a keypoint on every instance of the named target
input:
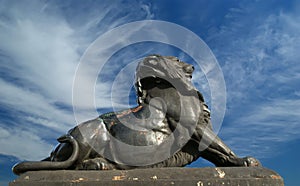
(163, 176)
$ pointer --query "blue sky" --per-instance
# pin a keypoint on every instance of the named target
(256, 43)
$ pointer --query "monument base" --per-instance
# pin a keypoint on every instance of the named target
(162, 176)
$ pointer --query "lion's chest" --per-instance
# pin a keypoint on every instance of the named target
(139, 129)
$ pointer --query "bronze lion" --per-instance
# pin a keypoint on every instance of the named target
(170, 127)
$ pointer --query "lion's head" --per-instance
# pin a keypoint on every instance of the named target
(166, 68)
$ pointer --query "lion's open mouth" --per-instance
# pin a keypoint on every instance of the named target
(165, 68)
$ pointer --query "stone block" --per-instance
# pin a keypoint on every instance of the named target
(208, 176)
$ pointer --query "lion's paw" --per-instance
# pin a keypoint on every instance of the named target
(252, 162)
(97, 164)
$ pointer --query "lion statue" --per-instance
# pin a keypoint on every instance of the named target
(170, 127)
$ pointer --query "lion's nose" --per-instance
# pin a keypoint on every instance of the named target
(189, 69)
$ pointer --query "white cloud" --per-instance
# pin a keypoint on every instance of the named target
(261, 67)
(265, 128)
(43, 55)
(35, 106)
(40, 47)
(23, 144)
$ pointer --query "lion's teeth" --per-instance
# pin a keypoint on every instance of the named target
(140, 100)
(139, 83)
(140, 89)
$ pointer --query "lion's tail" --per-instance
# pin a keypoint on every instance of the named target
(49, 165)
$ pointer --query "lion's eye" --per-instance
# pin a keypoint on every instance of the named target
(180, 62)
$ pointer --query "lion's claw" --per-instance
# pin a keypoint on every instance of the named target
(97, 164)
(252, 162)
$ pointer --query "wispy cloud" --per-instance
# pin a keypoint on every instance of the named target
(41, 44)
(33, 106)
(23, 144)
(260, 64)
(261, 131)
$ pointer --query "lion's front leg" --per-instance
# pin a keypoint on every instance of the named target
(227, 160)
(220, 154)
(98, 163)
(214, 149)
